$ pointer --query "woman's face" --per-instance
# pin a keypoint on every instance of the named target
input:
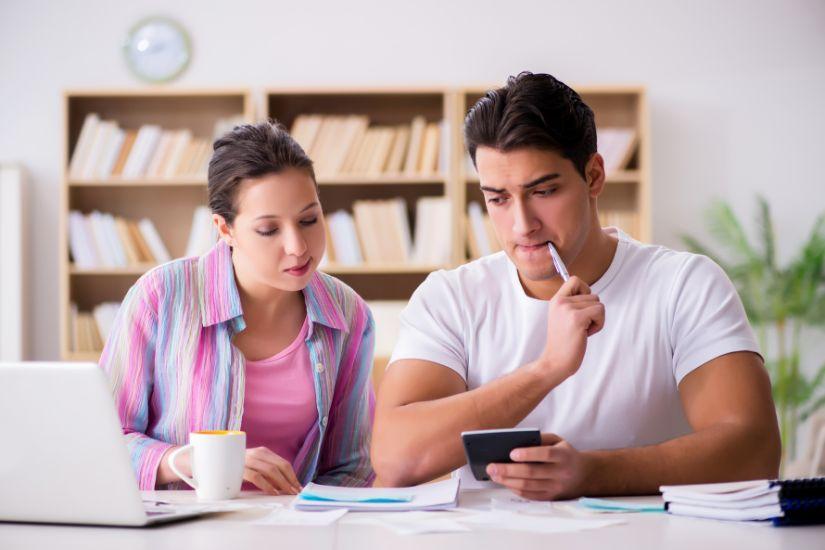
(278, 234)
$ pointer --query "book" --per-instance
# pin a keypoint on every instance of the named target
(202, 235)
(153, 241)
(433, 231)
(345, 243)
(92, 162)
(83, 145)
(617, 146)
(104, 316)
(413, 158)
(428, 163)
(125, 150)
(144, 252)
(142, 151)
(784, 502)
(399, 149)
(110, 153)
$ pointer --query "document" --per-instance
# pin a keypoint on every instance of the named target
(442, 495)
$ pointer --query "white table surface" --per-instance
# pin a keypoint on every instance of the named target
(232, 530)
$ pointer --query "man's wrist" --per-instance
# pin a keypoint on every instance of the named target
(544, 374)
(591, 468)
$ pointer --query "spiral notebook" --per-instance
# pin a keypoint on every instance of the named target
(784, 502)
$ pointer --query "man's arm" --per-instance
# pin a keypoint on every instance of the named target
(728, 404)
(423, 406)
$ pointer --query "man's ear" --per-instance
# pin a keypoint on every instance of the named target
(594, 175)
(224, 230)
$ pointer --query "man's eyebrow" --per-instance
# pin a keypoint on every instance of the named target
(305, 208)
(528, 185)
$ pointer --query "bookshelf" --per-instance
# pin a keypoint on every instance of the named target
(451, 179)
(135, 196)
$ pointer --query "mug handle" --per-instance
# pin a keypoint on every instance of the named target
(171, 461)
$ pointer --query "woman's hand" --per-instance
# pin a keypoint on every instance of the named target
(270, 473)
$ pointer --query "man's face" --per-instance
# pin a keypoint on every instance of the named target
(535, 197)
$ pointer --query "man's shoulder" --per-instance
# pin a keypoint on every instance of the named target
(655, 260)
(658, 267)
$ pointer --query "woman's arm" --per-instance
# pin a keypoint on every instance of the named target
(345, 456)
(128, 359)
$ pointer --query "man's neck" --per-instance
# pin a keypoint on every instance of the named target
(589, 266)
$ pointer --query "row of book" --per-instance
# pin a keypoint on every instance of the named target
(616, 145)
(349, 145)
(105, 150)
(378, 232)
(101, 240)
(88, 331)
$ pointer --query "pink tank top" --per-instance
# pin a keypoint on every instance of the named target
(279, 400)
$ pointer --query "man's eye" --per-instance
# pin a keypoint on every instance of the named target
(545, 192)
(496, 200)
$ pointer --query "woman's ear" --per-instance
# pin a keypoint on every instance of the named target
(224, 230)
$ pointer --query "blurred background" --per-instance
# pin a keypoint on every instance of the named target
(706, 105)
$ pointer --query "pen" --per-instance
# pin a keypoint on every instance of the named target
(557, 263)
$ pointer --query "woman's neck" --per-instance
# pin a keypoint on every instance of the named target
(264, 303)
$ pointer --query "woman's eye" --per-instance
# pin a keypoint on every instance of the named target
(309, 222)
(268, 233)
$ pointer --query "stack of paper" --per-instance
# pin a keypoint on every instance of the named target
(431, 496)
(784, 502)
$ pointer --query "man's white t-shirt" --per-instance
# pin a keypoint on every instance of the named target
(666, 313)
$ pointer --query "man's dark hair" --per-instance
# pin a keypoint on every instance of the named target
(250, 151)
(533, 111)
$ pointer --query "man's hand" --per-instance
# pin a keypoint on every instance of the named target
(574, 314)
(555, 470)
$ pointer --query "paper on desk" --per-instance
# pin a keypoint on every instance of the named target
(536, 524)
(412, 523)
(430, 496)
(288, 516)
(516, 504)
(615, 506)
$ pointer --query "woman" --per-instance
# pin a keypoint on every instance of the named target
(249, 336)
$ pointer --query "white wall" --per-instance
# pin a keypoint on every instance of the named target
(737, 88)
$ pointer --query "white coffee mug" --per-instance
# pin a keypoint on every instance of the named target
(217, 460)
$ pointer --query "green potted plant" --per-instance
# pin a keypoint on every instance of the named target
(780, 302)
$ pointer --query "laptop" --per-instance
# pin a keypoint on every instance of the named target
(62, 454)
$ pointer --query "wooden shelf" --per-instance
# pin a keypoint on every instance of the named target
(131, 182)
(388, 179)
(139, 269)
(378, 269)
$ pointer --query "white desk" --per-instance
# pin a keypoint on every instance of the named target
(232, 531)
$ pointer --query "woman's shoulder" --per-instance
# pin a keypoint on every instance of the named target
(339, 294)
(166, 279)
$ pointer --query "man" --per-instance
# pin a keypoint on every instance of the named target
(640, 370)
